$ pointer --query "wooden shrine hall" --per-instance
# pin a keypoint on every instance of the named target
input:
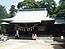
(30, 21)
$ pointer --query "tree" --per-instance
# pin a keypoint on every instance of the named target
(3, 14)
(50, 5)
(61, 1)
(28, 4)
(60, 10)
(41, 4)
(12, 11)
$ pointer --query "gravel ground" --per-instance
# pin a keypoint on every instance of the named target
(30, 44)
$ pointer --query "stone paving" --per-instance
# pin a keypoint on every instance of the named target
(30, 44)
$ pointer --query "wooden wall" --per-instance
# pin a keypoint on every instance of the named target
(44, 28)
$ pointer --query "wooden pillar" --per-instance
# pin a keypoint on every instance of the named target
(35, 30)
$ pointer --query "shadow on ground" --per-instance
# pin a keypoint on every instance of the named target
(58, 46)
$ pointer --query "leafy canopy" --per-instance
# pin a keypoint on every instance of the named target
(12, 11)
(60, 10)
(28, 4)
(3, 14)
(49, 4)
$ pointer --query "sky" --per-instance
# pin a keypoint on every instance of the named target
(8, 3)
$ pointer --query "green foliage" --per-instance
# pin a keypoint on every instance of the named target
(12, 11)
(49, 4)
(2, 28)
(61, 1)
(53, 16)
(28, 4)
(3, 14)
(60, 10)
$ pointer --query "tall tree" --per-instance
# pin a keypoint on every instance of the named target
(12, 11)
(3, 14)
(50, 5)
(28, 4)
(60, 10)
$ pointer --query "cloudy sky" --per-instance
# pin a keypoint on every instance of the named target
(8, 3)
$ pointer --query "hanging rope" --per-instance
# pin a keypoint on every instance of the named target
(27, 27)
(23, 28)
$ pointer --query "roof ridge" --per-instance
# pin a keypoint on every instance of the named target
(34, 9)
